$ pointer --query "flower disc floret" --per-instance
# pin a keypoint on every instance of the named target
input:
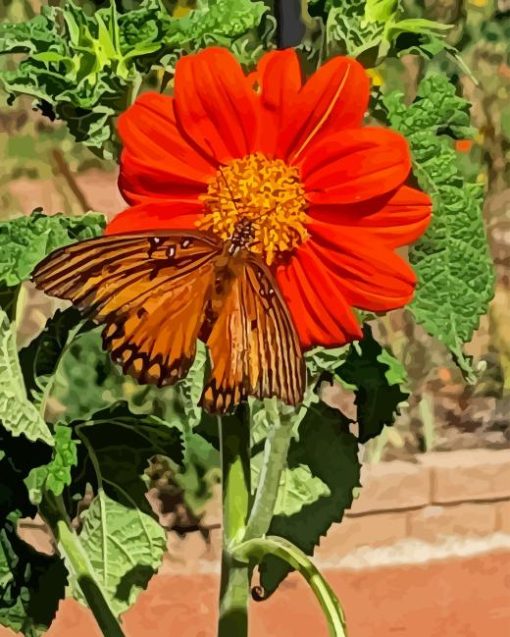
(265, 191)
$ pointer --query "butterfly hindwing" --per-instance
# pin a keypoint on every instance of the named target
(264, 358)
(149, 291)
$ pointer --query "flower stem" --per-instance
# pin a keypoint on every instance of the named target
(234, 434)
(275, 460)
(76, 558)
(258, 548)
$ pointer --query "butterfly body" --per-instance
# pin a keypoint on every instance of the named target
(156, 294)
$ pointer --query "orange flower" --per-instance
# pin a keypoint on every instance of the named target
(325, 194)
(463, 145)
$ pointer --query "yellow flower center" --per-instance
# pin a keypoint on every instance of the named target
(264, 191)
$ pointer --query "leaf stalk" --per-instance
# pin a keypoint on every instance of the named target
(76, 559)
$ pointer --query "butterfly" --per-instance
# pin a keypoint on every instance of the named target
(157, 293)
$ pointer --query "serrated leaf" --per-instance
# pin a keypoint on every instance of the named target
(17, 414)
(373, 29)
(376, 378)
(330, 452)
(25, 241)
(298, 487)
(125, 547)
(452, 259)
(215, 20)
(322, 359)
(40, 358)
(56, 474)
(80, 67)
(31, 585)
(122, 444)
(64, 459)
(190, 388)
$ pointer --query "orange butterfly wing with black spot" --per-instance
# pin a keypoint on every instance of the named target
(152, 292)
(264, 357)
(149, 291)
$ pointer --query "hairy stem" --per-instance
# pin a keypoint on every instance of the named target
(76, 558)
(234, 436)
(275, 460)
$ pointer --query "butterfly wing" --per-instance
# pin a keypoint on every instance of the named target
(149, 291)
(264, 358)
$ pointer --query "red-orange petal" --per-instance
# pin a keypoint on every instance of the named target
(216, 107)
(397, 218)
(278, 77)
(355, 165)
(368, 273)
(319, 311)
(156, 160)
(156, 215)
(334, 98)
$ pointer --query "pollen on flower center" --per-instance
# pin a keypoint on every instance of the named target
(265, 191)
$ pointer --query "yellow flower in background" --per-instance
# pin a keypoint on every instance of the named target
(376, 78)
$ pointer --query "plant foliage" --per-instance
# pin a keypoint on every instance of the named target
(81, 443)
(452, 259)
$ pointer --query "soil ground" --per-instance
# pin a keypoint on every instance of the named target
(449, 598)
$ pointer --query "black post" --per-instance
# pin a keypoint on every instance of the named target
(290, 29)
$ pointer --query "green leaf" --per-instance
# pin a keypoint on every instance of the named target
(121, 443)
(25, 241)
(39, 360)
(64, 459)
(82, 67)
(330, 452)
(31, 585)
(372, 30)
(21, 457)
(32, 35)
(125, 547)
(452, 259)
(17, 413)
(216, 20)
(190, 388)
(199, 473)
(321, 359)
(298, 487)
(348, 32)
(55, 475)
(380, 10)
(376, 378)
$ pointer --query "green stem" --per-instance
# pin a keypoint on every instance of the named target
(71, 549)
(133, 90)
(274, 462)
(234, 436)
(257, 549)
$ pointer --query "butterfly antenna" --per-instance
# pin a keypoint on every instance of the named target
(234, 201)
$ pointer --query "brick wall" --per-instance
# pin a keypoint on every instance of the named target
(455, 493)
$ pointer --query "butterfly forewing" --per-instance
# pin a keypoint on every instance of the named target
(150, 293)
(264, 358)
(153, 294)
